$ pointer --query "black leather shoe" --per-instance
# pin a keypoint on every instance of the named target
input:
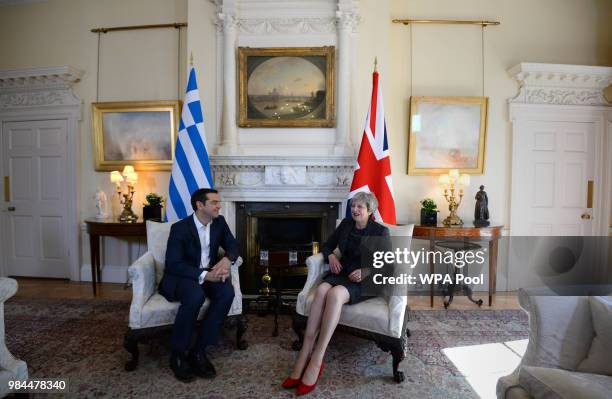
(180, 367)
(200, 364)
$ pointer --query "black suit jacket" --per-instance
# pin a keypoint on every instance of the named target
(183, 252)
(340, 236)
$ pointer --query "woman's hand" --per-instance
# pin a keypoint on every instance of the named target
(334, 264)
(355, 276)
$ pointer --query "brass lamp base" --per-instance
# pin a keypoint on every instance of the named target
(128, 216)
(453, 220)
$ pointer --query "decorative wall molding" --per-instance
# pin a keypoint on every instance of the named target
(561, 84)
(39, 78)
(33, 87)
(271, 26)
(297, 179)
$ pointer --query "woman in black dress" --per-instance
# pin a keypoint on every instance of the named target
(341, 285)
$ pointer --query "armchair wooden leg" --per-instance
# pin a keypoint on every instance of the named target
(241, 328)
(299, 326)
(130, 343)
(397, 348)
(398, 355)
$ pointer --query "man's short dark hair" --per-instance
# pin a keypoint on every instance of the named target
(201, 195)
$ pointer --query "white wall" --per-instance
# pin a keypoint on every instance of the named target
(135, 65)
(446, 60)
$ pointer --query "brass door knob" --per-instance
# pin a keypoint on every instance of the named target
(585, 216)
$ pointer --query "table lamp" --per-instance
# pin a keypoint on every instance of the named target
(451, 182)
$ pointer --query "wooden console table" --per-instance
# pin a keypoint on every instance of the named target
(108, 227)
(491, 234)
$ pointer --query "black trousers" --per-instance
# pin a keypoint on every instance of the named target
(192, 295)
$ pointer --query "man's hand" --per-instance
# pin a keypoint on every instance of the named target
(221, 270)
(334, 264)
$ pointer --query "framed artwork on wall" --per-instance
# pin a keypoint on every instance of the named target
(286, 87)
(139, 133)
(447, 133)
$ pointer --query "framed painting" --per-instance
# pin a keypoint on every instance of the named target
(139, 133)
(447, 133)
(286, 87)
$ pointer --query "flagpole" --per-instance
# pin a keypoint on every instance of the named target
(191, 59)
(375, 64)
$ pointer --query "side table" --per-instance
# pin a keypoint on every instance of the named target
(97, 228)
(490, 233)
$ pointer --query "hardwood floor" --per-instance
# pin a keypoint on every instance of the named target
(51, 288)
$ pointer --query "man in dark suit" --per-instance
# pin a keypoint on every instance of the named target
(194, 272)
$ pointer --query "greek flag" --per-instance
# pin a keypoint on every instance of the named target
(191, 167)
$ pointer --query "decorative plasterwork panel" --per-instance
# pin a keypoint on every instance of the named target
(38, 87)
(251, 178)
(270, 26)
(561, 84)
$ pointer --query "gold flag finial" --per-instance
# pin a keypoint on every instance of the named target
(191, 60)
(375, 64)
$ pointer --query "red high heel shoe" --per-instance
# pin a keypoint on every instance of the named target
(290, 383)
(303, 389)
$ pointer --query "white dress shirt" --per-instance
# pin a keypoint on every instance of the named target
(204, 234)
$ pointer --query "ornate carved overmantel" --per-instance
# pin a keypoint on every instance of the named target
(561, 84)
(283, 23)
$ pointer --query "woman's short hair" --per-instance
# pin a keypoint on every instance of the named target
(368, 199)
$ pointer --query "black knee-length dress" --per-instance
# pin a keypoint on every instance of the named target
(347, 237)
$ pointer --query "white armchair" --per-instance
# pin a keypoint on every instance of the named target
(568, 351)
(10, 368)
(378, 319)
(150, 312)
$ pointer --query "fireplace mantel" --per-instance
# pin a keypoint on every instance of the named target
(280, 178)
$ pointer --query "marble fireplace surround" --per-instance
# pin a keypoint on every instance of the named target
(281, 179)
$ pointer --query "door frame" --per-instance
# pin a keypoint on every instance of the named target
(601, 117)
(39, 94)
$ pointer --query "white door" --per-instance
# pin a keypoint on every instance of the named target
(553, 163)
(34, 219)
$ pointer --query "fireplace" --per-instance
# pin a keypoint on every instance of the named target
(280, 227)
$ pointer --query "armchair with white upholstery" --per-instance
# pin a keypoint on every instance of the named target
(10, 368)
(150, 312)
(382, 320)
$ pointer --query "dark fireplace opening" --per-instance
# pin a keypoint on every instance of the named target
(283, 234)
(279, 227)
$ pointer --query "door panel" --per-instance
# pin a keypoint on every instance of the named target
(549, 190)
(34, 156)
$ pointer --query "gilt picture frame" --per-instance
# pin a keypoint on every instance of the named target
(286, 87)
(139, 133)
(447, 133)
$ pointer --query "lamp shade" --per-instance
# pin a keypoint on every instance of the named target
(115, 177)
(453, 174)
(132, 177)
(444, 180)
(127, 169)
(464, 180)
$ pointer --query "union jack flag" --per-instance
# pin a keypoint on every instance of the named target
(373, 169)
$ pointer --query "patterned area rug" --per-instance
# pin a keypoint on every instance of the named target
(82, 340)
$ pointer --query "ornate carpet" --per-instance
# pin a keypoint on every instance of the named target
(82, 340)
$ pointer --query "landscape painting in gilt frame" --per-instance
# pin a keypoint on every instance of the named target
(447, 133)
(139, 133)
(286, 87)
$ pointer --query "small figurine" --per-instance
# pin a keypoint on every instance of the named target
(101, 204)
(481, 212)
